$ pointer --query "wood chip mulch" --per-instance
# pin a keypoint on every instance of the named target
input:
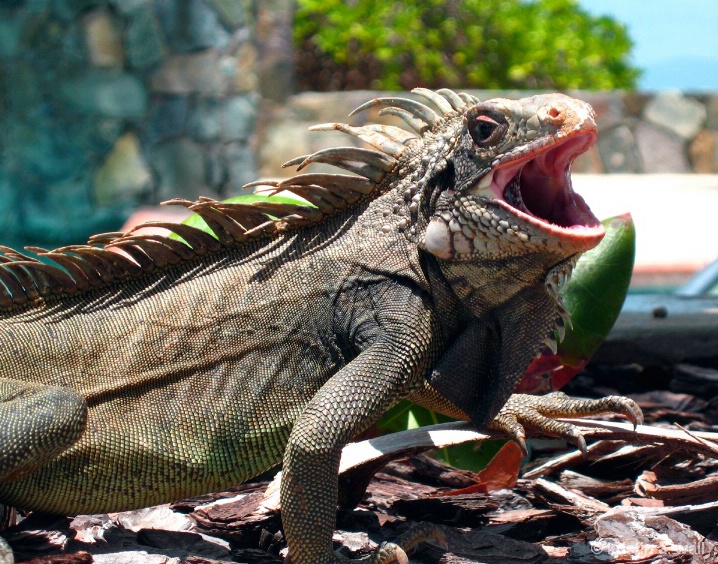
(652, 502)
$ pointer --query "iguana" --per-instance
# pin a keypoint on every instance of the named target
(139, 369)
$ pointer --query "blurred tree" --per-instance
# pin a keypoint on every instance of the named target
(387, 44)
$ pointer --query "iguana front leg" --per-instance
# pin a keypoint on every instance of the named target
(390, 368)
(38, 423)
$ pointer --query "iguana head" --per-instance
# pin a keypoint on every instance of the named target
(482, 179)
(498, 210)
(511, 191)
(489, 191)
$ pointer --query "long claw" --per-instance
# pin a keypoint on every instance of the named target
(635, 417)
(581, 445)
(522, 445)
(631, 415)
(440, 537)
(626, 407)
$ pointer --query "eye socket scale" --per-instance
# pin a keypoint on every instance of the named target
(486, 129)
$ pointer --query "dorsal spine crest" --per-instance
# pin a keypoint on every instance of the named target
(25, 281)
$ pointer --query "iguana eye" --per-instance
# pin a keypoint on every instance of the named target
(486, 130)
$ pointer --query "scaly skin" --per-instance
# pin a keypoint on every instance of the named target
(181, 368)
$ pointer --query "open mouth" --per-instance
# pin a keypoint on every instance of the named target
(538, 188)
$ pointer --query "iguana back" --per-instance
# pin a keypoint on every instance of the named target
(200, 368)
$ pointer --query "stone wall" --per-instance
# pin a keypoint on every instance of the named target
(666, 132)
(106, 105)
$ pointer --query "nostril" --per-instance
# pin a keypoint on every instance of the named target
(554, 113)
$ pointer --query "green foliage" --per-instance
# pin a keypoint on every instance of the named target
(597, 290)
(545, 44)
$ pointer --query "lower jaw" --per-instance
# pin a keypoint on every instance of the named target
(480, 228)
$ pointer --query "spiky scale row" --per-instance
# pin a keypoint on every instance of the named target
(109, 257)
(417, 115)
(378, 139)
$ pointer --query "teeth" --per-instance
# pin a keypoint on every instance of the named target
(553, 288)
(557, 279)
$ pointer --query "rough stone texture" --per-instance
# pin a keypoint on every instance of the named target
(635, 103)
(167, 118)
(69, 9)
(226, 120)
(276, 67)
(215, 167)
(123, 174)
(240, 167)
(104, 45)
(144, 42)
(9, 206)
(130, 6)
(9, 39)
(23, 95)
(234, 13)
(193, 27)
(106, 93)
(660, 151)
(96, 100)
(206, 72)
(44, 153)
(609, 107)
(703, 152)
(677, 113)
(245, 73)
(180, 169)
(617, 148)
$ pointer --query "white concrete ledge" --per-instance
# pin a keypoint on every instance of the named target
(676, 215)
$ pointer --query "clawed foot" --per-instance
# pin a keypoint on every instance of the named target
(390, 552)
(537, 412)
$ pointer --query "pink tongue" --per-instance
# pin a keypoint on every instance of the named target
(544, 196)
